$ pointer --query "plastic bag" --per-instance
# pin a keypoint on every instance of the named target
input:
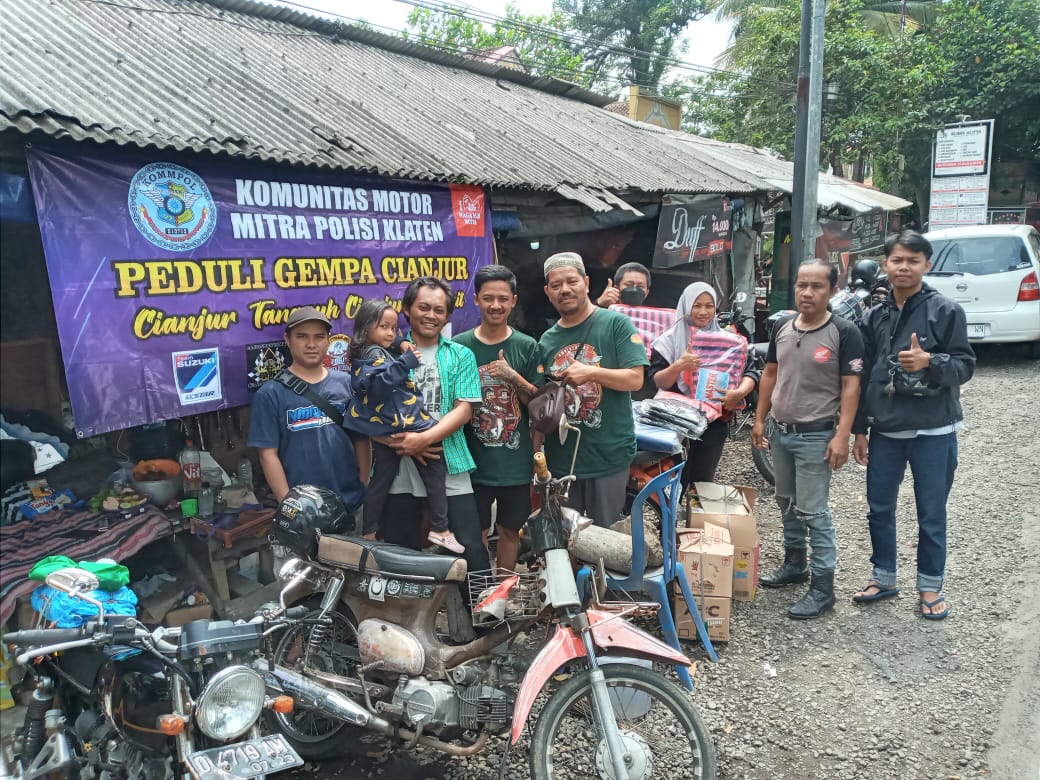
(64, 611)
(723, 356)
(111, 576)
(675, 411)
(650, 322)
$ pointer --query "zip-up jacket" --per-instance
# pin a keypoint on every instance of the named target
(384, 399)
(942, 331)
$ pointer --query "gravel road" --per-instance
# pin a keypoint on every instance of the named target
(874, 692)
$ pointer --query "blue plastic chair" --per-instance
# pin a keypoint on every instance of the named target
(666, 488)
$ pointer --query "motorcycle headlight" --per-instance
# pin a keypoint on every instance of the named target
(230, 703)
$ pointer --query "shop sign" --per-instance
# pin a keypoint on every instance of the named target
(841, 241)
(172, 280)
(692, 228)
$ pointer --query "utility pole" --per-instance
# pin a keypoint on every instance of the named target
(804, 200)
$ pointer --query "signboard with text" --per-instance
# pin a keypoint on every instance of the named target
(692, 228)
(960, 175)
(172, 282)
(842, 241)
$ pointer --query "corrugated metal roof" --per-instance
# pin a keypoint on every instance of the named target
(248, 79)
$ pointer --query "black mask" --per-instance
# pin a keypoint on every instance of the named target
(633, 296)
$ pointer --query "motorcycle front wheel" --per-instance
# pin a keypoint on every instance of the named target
(658, 724)
(327, 649)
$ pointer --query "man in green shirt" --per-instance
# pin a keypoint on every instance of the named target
(450, 386)
(498, 434)
(601, 357)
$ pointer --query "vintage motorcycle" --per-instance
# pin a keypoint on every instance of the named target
(376, 654)
(113, 700)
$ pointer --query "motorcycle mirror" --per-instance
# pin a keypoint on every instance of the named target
(565, 426)
(72, 580)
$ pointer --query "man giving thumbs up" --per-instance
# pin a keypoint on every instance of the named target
(916, 357)
(498, 435)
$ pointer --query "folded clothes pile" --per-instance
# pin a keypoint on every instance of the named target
(684, 418)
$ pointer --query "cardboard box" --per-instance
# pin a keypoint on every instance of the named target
(27, 617)
(732, 507)
(707, 556)
(715, 613)
(152, 610)
(178, 617)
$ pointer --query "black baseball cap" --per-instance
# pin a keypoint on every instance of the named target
(306, 314)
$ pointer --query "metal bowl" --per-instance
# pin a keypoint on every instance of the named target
(160, 491)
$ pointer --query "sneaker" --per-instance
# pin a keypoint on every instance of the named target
(447, 541)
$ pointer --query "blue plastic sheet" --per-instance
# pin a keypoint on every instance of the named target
(65, 611)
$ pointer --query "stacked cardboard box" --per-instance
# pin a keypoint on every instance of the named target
(732, 507)
(706, 555)
(719, 552)
(714, 613)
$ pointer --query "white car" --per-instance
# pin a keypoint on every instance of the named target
(993, 271)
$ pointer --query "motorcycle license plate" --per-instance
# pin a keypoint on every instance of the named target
(266, 755)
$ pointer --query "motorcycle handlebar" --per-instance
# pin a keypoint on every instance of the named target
(47, 636)
(541, 470)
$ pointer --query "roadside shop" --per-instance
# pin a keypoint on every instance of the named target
(157, 230)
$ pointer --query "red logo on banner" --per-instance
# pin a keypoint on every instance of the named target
(467, 206)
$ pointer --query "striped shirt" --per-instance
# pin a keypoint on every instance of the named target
(649, 321)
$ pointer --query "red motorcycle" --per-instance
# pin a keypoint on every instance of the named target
(377, 655)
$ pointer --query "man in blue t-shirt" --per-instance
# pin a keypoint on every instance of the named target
(297, 441)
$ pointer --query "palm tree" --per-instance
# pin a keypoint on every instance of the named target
(894, 18)
(899, 17)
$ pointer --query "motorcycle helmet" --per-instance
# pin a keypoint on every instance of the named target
(849, 305)
(306, 512)
(865, 273)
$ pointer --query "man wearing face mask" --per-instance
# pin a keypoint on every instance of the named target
(627, 293)
(630, 286)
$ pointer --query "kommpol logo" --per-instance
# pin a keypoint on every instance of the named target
(197, 375)
(172, 206)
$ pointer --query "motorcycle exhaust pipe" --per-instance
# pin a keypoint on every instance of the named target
(309, 695)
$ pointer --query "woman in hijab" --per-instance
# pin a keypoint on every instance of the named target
(672, 358)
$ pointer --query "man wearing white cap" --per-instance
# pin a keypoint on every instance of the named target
(601, 357)
(297, 441)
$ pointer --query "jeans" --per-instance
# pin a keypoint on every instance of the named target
(933, 461)
(803, 485)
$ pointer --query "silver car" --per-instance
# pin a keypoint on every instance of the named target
(993, 271)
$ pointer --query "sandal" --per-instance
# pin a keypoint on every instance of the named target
(882, 592)
(932, 605)
(447, 541)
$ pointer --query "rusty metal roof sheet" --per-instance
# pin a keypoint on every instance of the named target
(249, 79)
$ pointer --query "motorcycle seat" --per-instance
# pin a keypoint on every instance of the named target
(374, 557)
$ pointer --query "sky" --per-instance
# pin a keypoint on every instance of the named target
(707, 38)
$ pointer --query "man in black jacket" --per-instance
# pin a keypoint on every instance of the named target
(917, 356)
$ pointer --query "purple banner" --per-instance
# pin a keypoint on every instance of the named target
(172, 282)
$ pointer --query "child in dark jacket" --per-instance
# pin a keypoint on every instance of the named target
(385, 402)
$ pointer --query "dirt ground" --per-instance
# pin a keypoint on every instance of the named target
(874, 691)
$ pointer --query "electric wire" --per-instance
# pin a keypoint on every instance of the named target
(542, 32)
